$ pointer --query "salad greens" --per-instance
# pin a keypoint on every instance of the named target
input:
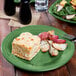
(66, 10)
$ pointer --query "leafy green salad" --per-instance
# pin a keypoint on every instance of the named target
(65, 9)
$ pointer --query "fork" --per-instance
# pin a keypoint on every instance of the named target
(70, 37)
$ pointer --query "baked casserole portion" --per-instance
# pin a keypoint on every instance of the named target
(26, 46)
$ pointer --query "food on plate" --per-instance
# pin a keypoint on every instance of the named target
(26, 46)
(70, 16)
(60, 47)
(53, 51)
(53, 37)
(51, 42)
(59, 41)
(63, 2)
(73, 2)
(43, 35)
(59, 7)
(44, 46)
(52, 32)
(65, 9)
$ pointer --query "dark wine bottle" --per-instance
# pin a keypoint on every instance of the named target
(25, 15)
(22, 1)
(9, 7)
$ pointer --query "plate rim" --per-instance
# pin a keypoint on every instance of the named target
(34, 70)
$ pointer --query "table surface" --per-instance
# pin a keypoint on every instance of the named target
(7, 69)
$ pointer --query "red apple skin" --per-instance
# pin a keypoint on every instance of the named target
(60, 41)
(53, 37)
(44, 51)
(43, 35)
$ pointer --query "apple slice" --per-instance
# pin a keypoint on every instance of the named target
(52, 32)
(53, 37)
(43, 35)
(53, 51)
(60, 47)
(59, 41)
(44, 46)
(50, 42)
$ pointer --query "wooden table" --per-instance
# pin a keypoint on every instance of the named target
(7, 69)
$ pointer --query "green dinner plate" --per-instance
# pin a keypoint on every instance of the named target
(56, 16)
(42, 61)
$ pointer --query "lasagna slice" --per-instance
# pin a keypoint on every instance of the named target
(26, 46)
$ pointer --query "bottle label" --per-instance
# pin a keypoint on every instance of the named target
(41, 5)
(17, 1)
